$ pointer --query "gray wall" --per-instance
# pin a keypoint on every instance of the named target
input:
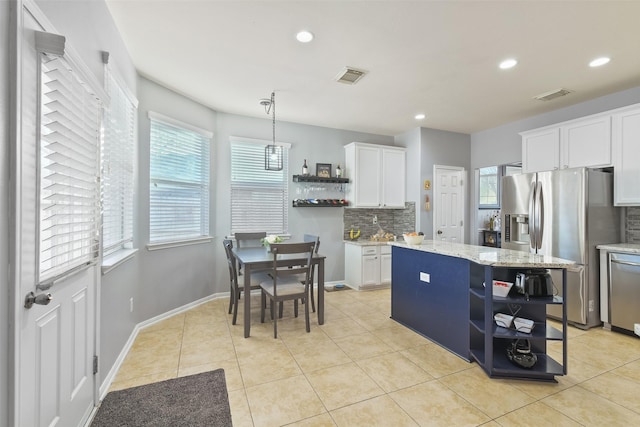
(317, 145)
(5, 295)
(441, 148)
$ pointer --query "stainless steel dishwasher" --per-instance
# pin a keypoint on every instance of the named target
(624, 290)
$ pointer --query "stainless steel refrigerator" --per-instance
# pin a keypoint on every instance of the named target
(565, 214)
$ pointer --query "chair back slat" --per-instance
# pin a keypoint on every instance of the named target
(231, 261)
(249, 240)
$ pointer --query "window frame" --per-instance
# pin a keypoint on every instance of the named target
(125, 166)
(204, 185)
(498, 177)
(258, 163)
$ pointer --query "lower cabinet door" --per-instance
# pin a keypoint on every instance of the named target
(370, 270)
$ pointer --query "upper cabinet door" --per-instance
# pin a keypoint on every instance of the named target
(586, 143)
(393, 178)
(377, 174)
(540, 150)
(626, 152)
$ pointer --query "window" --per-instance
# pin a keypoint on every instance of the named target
(118, 160)
(489, 185)
(179, 181)
(69, 199)
(259, 197)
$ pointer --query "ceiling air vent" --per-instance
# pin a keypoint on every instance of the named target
(548, 96)
(350, 75)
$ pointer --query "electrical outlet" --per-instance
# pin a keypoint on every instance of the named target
(425, 277)
(131, 305)
(375, 219)
(636, 329)
(592, 305)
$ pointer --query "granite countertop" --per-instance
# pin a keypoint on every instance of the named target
(365, 242)
(485, 255)
(630, 248)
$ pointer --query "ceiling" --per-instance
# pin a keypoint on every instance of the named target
(439, 58)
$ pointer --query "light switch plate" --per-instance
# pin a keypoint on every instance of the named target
(425, 277)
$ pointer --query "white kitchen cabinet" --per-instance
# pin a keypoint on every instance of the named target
(367, 266)
(584, 142)
(626, 152)
(377, 174)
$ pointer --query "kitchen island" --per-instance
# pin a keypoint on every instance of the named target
(437, 290)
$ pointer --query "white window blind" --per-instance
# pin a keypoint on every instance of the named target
(259, 197)
(179, 179)
(69, 166)
(489, 184)
(118, 160)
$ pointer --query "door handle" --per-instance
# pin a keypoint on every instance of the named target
(40, 299)
(439, 231)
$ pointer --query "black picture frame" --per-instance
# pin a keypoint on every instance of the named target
(323, 170)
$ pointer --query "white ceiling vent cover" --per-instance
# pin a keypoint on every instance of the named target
(350, 75)
(548, 96)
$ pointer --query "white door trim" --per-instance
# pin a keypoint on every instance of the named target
(463, 177)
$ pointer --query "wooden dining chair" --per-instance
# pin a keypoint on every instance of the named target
(249, 240)
(236, 288)
(288, 283)
(316, 240)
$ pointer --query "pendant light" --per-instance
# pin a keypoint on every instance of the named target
(272, 152)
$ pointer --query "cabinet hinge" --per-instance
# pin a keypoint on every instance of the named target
(95, 365)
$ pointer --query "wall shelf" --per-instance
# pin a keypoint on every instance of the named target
(313, 178)
(319, 203)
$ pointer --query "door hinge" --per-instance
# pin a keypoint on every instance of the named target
(95, 365)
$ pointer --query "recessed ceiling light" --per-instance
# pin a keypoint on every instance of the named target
(420, 116)
(304, 36)
(599, 61)
(508, 63)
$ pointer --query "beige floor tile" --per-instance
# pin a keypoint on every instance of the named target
(142, 380)
(541, 389)
(630, 370)
(148, 361)
(322, 420)
(433, 404)
(173, 322)
(267, 367)
(602, 349)
(494, 398)
(435, 360)
(535, 415)
(300, 342)
(380, 411)
(591, 409)
(362, 346)
(343, 385)
(342, 328)
(623, 391)
(283, 401)
(400, 338)
(322, 356)
(231, 372)
(374, 321)
(240, 412)
(393, 371)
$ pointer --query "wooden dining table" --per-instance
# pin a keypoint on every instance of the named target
(259, 258)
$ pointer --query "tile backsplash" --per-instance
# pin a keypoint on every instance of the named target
(632, 225)
(395, 221)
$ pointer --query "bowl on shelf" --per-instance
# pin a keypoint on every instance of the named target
(413, 239)
(523, 325)
(503, 320)
(501, 288)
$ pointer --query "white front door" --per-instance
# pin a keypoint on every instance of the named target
(448, 204)
(55, 343)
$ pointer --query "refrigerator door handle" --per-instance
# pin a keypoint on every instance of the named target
(532, 217)
(539, 216)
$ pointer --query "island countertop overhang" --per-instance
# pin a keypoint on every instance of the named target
(485, 255)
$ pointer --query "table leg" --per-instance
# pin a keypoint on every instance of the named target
(247, 300)
(321, 291)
